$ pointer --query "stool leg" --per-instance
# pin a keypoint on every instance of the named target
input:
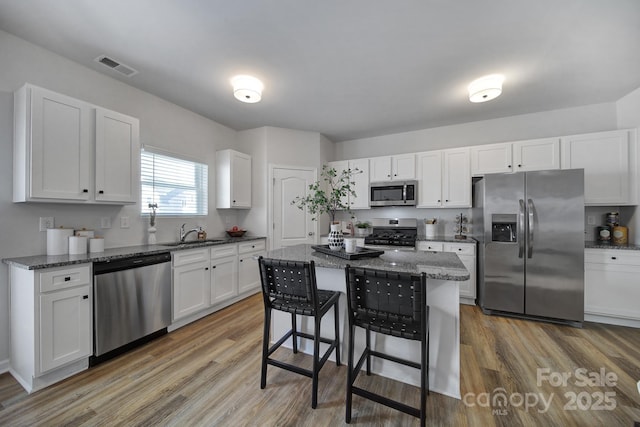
(265, 347)
(424, 384)
(294, 335)
(350, 374)
(316, 362)
(337, 331)
(368, 350)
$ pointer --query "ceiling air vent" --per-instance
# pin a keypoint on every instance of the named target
(115, 65)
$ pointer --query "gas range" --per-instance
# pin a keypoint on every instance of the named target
(393, 233)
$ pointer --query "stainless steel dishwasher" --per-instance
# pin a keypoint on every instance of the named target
(132, 303)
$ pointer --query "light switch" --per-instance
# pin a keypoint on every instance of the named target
(124, 222)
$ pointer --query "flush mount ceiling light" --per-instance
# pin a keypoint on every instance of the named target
(247, 89)
(486, 88)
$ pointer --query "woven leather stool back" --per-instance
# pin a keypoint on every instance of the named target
(289, 280)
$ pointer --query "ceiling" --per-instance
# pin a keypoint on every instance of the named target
(350, 68)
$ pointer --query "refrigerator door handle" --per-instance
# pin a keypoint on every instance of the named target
(521, 229)
(530, 227)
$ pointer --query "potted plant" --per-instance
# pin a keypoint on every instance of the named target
(362, 228)
(329, 195)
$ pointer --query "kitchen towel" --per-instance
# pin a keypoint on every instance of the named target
(58, 240)
(77, 245)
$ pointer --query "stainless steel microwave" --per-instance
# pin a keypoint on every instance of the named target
(395, 193)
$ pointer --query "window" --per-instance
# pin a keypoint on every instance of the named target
(177, 185)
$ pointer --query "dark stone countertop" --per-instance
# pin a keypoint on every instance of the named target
(602, 245)
(47, 261)
(437, 265)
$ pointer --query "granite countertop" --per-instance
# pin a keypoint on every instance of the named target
(602, 245)
(47, 261)
(437, 265)
(446, 238)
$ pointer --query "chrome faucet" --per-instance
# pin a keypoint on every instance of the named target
(183, 234)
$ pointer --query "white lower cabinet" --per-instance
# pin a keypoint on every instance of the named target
(248, 272)
(467, 254)
(51, 324)
(611, 288)
(191, 288)
(210, 278)
(224, 273)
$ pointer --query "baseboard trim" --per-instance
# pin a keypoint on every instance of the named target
(4, 366)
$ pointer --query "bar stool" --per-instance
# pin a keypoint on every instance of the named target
(290, 286)
(392, 304)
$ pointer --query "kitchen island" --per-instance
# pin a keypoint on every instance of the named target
(443, 271)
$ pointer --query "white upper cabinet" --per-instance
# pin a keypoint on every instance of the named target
(537, 154)
(51, 153)
(519, 156)
(391, 168)
(117, 157)
(360, 178)
(609, 163)
(491, 158)
(444, 179)
(233, 172)
(69, 151)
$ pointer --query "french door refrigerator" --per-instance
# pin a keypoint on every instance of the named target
(530, 227)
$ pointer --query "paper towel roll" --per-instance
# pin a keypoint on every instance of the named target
(96, 244)
(77, 245)
(58, 240)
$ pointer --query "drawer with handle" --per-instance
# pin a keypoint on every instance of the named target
(63, 278)
(460, 249)
(253, 246)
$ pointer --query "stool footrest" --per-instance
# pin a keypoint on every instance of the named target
(386, 401)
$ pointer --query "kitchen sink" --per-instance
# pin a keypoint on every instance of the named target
(193, 242)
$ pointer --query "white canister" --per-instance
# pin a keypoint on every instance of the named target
(77, 245)
(96, 244)
(58, 240)
(350, 245)
(430, 230)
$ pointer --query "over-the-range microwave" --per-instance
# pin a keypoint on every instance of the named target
(395, 193)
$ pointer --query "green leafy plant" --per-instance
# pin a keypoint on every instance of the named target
(362, 225)
(329, 194)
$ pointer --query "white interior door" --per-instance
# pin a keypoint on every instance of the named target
(291, 226)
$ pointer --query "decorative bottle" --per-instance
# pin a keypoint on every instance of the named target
(335, 237)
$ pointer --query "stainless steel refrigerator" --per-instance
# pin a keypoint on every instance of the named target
(530, 226)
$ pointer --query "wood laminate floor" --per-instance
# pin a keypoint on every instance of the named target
(208, 374)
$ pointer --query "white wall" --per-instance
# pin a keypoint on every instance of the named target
(590, 118)
(162, 124)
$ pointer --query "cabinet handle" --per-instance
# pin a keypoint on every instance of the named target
(213, 266)
(85, 296)
(206, 268)
(613, 257)
(100, 192)
(446, 200)
(241, 260)
(85, 190)
(459, 249)
(67, 279)
(438, 200)
(519, 166)
(509, 166)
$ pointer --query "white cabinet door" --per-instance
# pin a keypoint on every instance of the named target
(611, 283)
(191, 288)
(65, 327)
(390, 168)
(403, 167)
(361, 186)
(380, 169)
(609, 167)
(117, 157)
(52, 146)
(491, 158)
(429, 179)
(248, 272)
(538, 154)
(456, 185)
(224, 279)
(233, 180)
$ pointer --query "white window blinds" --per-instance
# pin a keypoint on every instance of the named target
(178, 186)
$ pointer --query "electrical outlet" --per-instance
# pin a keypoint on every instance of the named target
(124, 222)
(46, 222)
(105, 222)
(591, 220)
